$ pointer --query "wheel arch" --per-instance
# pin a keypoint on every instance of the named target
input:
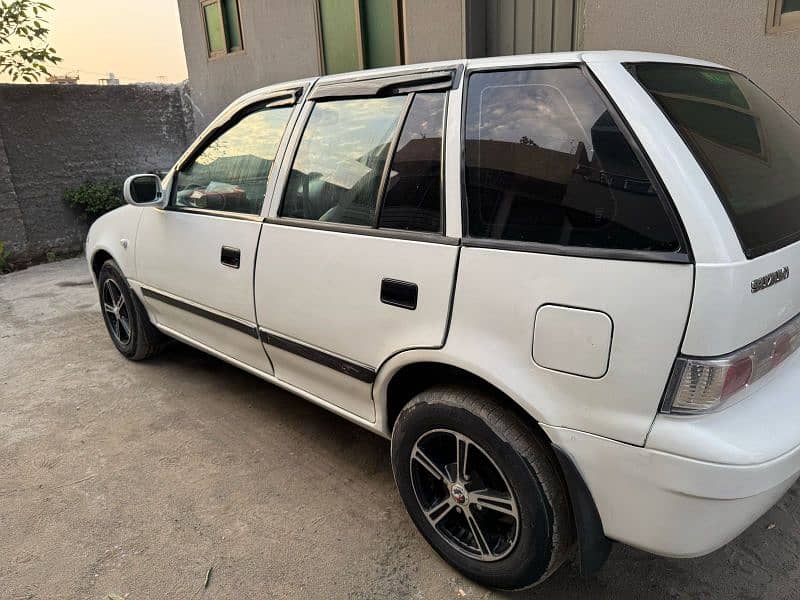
(408, 373)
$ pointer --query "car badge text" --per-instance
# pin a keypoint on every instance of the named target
(769, 280)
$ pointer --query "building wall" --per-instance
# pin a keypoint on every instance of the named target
(56, 137)
(280, 44)
(730, 32)
(433, 30)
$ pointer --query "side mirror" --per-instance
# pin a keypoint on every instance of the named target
(143, 190)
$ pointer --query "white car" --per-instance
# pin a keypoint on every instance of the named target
(560, 284)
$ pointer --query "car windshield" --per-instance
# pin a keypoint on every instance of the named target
(747, 144)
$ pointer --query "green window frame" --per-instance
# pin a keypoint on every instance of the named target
(359, 34)
(783, 15)
(222, 26)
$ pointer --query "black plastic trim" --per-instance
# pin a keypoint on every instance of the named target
(346, 367)
(579, 251)
(402, 294)
(201, 312)
(593, 545)
(392, 85)
(399, 234)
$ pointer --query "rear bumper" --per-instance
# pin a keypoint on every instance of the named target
(670, 504)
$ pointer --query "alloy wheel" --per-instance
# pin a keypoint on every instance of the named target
(116, 311)
(464, 495)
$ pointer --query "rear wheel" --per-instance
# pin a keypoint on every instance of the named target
(126, 319)
(481, 487)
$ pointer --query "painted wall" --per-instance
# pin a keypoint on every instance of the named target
(730, 32)
(56, 137)
(280, 44)
(433, 30)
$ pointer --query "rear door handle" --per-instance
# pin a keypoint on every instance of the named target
(399, 293)
(230, 257)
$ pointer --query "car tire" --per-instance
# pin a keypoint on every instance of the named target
(125, 317)
(525, 530)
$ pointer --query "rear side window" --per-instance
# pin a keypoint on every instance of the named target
(546, 162)
(413, 190)
(748, 146)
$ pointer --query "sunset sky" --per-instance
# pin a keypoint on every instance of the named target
(138, 40)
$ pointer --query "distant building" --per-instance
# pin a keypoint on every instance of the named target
(67, 79)
(110, 80)
(233, 46)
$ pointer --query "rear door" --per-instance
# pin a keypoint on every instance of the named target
(353, 265)
(195, 259)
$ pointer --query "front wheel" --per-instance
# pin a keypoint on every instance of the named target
(481, 487)
(126, 319)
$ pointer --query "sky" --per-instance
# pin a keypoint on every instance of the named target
(138, 40)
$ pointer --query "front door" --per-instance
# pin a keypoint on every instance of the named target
(353, 265)
(195, 259)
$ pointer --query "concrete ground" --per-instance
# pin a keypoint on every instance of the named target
(135, 478)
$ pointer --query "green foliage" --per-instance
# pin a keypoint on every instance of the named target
(95, 198)
(4, 256)
(24, 51)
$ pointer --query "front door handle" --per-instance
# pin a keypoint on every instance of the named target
(230, 257)
(399, 293)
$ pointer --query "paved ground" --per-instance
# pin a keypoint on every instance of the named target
(134, 479)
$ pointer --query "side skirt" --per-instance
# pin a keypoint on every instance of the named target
(371, 426)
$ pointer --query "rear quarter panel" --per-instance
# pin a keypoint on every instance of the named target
(498, 293)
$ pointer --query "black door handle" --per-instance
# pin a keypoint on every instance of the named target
(399, 293)
(230, 257)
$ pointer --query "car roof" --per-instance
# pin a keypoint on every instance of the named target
(518, 60)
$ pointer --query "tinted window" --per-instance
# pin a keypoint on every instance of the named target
(231, 173)
(747, 144)
(339, 164)
(547, 163)
(413, 191)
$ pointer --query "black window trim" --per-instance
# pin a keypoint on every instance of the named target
(749, 253)
(373, 230)
(278, 99)
(388, 85)
(683, 255)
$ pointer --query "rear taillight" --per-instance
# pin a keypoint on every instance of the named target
(700, 385)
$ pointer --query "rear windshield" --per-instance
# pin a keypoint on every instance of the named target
(746, 143)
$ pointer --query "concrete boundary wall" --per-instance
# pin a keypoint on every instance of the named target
(56, 137)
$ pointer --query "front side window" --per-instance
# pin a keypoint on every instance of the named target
(547, 163)
(230, 174)
(746, 143)
(222, 25)
(340, 161)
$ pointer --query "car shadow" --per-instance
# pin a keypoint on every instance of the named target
(763, 562)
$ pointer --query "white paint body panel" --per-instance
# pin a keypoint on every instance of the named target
(178, 253)
(572, 340)
(682, 488)
(342, 273)
(115, 234)
(497, 295)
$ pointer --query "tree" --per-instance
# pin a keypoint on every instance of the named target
(25, 31)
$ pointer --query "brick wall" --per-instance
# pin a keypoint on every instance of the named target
(56, 137)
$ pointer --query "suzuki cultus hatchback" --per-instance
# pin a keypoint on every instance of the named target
(561, 284)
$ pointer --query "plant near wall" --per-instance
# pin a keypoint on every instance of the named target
(5, 255)
(24, 51)
(95, 198)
